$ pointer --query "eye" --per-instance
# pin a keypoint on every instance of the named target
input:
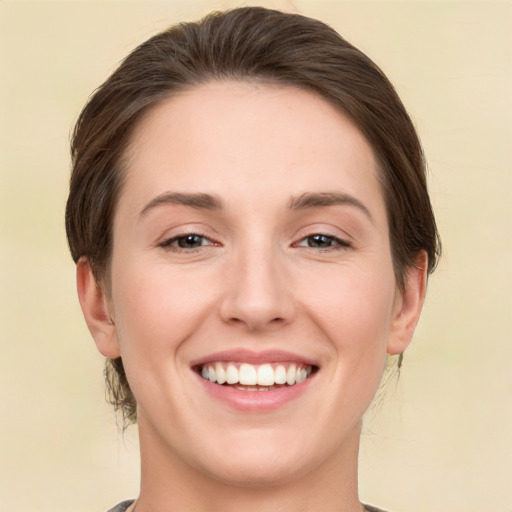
(322, 241)
(187, 241)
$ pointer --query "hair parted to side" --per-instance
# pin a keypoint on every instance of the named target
(251, 43)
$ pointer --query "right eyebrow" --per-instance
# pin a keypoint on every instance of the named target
(194, 200)
(318, 199)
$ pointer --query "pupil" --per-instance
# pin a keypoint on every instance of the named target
(319, 241)
(190, 241)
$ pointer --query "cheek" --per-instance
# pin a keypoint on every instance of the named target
(354, 310)
(355, 303)
(159, 308)
(156, 312)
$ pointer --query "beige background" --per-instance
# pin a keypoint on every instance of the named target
(441, 440)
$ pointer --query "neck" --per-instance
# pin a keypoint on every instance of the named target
(169, 484)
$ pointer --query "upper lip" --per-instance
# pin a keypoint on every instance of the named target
(253, 357)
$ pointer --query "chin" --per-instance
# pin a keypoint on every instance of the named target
(262, 473)
(264, 458)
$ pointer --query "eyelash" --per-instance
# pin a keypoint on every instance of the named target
(335, 243)
(173, 242)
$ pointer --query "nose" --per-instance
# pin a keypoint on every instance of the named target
(258, 293)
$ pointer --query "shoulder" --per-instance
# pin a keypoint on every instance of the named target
(369, 508)
(122, 506)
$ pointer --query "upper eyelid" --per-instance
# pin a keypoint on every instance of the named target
(187, 229)
(334, 232)
(328, 227)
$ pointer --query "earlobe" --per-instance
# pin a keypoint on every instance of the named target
(96, 310)
(408, 306)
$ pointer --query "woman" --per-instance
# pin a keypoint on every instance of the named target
(252, 230)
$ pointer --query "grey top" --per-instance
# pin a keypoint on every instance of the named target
(125, 504)
(373, 509)
(122, 506)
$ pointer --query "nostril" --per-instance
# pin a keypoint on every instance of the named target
(255, 323)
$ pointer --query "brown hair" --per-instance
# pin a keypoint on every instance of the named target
(250, 43)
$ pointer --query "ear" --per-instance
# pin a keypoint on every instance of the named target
(96, 309)
(408, 305)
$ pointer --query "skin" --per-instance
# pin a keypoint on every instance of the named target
(258, 281)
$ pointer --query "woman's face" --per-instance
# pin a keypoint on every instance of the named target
(251, 246)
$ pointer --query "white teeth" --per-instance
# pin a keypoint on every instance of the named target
(221, 374)
(265, 375)
(247, 375)
(291, 375)
(247, 388)
(280, 375)
(301, 376)
(232, 374)
(255, 378)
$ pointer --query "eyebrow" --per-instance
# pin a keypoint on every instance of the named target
(200, 201)
(302, 202)
(318, 199)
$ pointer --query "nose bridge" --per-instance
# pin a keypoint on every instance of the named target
(257, 295)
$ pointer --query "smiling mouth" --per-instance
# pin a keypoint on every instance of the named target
(249, 377)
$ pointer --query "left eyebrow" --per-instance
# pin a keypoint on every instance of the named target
(200, 201)
(318, 199)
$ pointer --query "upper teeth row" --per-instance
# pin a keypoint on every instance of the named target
(249, 375)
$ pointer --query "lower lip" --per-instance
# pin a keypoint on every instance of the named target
(255, 401)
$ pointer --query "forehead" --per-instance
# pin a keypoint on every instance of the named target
(234, 138)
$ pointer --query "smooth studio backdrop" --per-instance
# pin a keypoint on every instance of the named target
(441, 438)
